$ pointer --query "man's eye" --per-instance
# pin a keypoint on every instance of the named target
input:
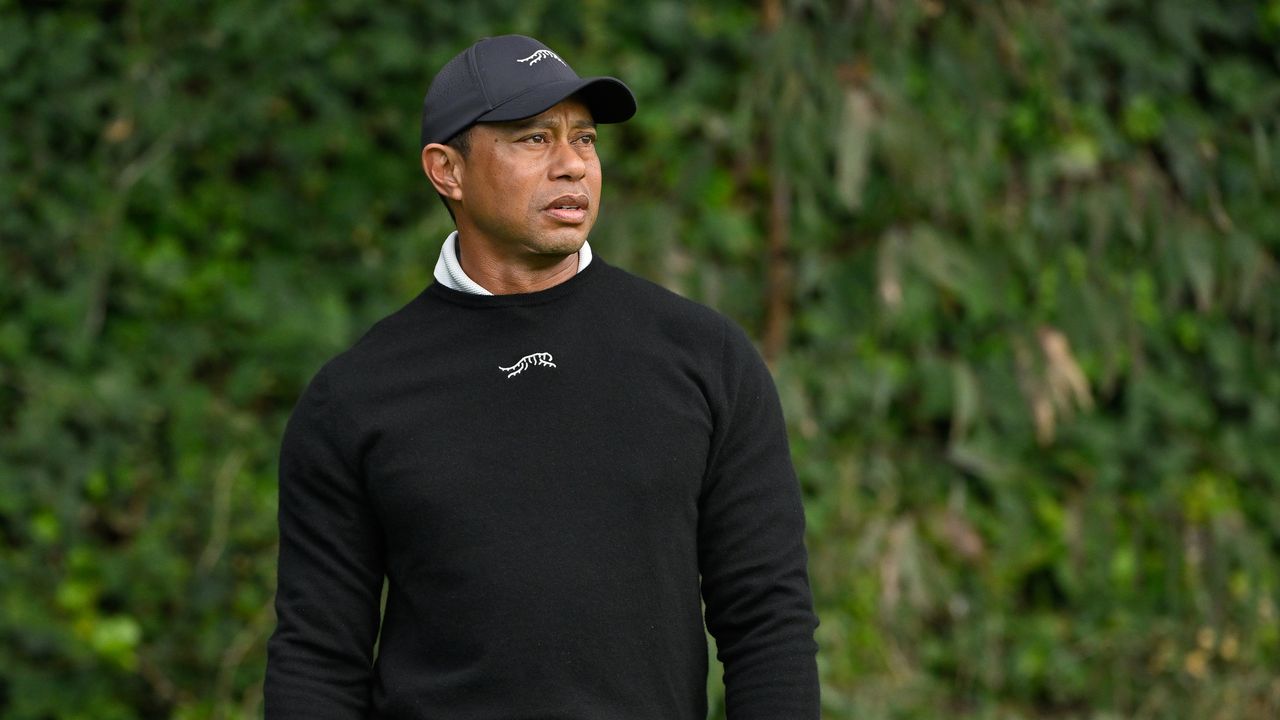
(587, 139)
(538, 138)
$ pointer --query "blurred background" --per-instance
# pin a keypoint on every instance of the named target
(1013, 263)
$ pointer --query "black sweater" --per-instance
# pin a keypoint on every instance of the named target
(542, 478)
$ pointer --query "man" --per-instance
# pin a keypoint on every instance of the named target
(550, 460)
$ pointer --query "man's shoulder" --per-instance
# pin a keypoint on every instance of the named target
(383, 344)
(666, 305)
(693, 324)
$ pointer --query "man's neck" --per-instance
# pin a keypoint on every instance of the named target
(502, 276)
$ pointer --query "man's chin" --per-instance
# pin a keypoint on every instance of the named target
(559, 243)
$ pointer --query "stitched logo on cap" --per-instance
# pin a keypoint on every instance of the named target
(542, 358)
(541, 55)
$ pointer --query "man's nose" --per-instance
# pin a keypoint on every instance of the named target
(566, 162)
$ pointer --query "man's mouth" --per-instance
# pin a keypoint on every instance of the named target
(571, 209)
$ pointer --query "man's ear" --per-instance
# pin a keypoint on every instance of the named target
(443, 166)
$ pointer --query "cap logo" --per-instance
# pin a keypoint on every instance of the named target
(540, 55)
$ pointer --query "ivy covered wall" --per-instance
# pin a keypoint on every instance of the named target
(1014, 265)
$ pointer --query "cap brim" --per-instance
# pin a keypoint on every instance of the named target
(608, 99)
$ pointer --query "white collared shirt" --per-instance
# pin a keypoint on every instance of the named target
(449, 272)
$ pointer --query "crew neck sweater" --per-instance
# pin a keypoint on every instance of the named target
(552, 483)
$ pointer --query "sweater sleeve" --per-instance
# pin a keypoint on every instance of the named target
(319, 659)
(751, 550)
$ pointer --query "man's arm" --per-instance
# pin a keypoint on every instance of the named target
(751, 549)
(319, 660)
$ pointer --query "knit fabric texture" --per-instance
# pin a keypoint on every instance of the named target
(551, 483)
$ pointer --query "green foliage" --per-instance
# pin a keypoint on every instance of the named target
(1020, 259)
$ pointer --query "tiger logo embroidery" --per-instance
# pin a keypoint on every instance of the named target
(541, 55)
(542, 359)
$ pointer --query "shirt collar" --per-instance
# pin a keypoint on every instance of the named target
(449, 272)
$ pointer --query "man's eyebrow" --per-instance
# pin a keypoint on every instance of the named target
(536, 122)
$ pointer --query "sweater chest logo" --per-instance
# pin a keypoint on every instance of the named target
(541, 359)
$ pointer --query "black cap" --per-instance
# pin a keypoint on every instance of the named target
(508, 78)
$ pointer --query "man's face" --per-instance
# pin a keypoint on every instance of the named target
(532, 186)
